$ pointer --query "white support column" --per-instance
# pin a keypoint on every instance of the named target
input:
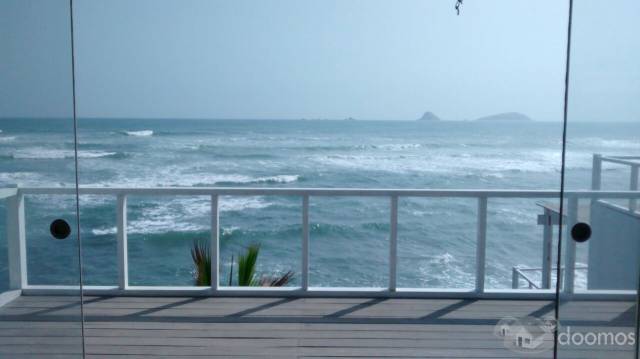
(570, 245)
(305, 243)
(16, 242)
(633, 186)
(123, 252)
(547, 249)
(515, 278)
(481, 244)
(214, 245)
(393, 244)
(596, 172)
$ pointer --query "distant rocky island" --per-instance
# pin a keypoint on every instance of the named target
(507, 116)
(429, 116)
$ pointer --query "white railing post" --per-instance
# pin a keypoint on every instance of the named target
(633, 186)
(515, 278)
(547, 249)
(305, 243)
(214, 245)
(570, 245)
(596, 172)
(121, 233)
(393, 245)
(16, 242)
(481, 244)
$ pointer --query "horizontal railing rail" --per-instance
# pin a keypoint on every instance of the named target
(520, 273)
(345, 192)
(17, 247)
(633, 162)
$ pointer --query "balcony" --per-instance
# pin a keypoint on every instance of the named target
(308, 321)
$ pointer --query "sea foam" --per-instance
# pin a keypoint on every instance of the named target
(142, 133)
(44, 153)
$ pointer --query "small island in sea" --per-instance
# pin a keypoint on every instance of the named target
(506, 116)
(429, 116)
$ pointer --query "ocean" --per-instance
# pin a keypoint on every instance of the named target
(349, 235)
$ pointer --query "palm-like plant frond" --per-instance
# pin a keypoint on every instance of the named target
(247, 266)
(277, 280)
(202, 260)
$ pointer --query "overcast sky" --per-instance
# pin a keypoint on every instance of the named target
(367, 59)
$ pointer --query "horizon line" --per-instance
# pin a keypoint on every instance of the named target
(349, 119)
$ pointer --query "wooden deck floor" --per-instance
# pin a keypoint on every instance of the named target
(118, 327)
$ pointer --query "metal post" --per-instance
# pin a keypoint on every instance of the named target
(393, 245)
(570, 246)
(596, 172)
(305, 243)
(214, 245)
(123, 257)
(547, 250)
(633, 186)
(515, 278)
(16, 242)
(481, 244)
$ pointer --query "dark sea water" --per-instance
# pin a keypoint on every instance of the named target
(349, 236)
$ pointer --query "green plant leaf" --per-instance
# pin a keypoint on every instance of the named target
(201, 256)
(247, 266)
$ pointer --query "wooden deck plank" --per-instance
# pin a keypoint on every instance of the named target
(182, 327)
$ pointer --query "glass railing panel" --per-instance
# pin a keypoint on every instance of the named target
(437, 243)
(349, 242)
(270, 227)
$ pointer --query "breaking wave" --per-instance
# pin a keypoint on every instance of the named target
(142, 133)
(43, 153)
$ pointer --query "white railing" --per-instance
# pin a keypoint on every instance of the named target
(18, 264)
(519, 273)
(633, 162)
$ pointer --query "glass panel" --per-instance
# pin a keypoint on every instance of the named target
(600, 246)
(37, 154)
(272, 225)
(217, 121)
(349, 242)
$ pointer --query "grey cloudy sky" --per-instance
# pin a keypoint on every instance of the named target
(367, 59)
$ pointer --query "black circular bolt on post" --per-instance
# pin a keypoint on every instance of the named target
(581, 232)
(60, 229)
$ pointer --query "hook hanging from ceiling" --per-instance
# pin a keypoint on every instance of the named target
(458, 5)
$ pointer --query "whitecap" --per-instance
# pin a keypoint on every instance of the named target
(605, 143)
(96, 154)
(277, 179)
(141, 133)
(175, 176)
(45, 153)
(398, 146)
(41, 153)
(190, 214)
(7, 138)
(227, 231)
(242, 203)
(104, 231)
(26, 179)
